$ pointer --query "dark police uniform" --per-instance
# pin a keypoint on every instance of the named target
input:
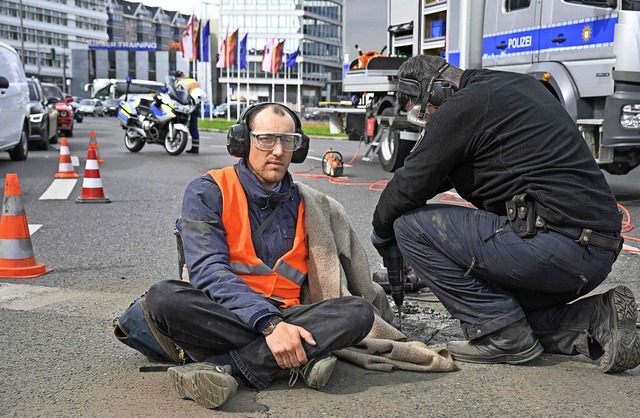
(501, 135)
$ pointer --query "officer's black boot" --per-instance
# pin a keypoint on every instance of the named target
(512, 344)
(601, 326)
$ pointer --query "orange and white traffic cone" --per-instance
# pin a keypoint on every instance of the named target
(93, 141)
(65, 167)
(92, 191)
(17, 260)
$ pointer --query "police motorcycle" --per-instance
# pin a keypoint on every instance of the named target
(159, 119)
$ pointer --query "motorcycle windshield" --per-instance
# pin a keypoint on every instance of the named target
(182, 96)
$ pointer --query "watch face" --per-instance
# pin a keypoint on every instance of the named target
(268, 329)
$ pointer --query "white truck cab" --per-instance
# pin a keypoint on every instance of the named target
(586, 52)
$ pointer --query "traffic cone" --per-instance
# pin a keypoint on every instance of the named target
(93, 141)
(92, 184)
(65, 167)
(16, 252)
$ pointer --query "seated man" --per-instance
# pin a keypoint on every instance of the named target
(245, 244)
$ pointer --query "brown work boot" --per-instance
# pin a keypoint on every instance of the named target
(614, 328)
(512, 344)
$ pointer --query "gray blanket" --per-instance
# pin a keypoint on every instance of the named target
(338, 266)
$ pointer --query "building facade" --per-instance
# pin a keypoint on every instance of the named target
(46, 32)
(312, 27)
(142, 42)
(72, 42)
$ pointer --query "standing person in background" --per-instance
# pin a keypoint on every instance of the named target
(189, 84)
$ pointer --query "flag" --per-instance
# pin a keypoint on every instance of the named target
(232, 40)
(276, 58)
(266, 57)
(205, 42)
(196, 42)
(222, 55)
(243, 52)
(186, 43)
(292, 59)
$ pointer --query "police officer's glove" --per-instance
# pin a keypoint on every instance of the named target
(383, 245)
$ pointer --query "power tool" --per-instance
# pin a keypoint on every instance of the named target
(394, 262)
(332, 163)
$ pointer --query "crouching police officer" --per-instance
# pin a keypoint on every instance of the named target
(546, 231)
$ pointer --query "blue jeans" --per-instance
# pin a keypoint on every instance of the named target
(487, 276)
(204, 328)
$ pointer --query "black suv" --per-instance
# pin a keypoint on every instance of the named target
(43, 117)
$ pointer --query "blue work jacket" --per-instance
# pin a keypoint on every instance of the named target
(207, 252)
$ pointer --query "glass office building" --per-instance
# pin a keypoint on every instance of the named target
(312, 27)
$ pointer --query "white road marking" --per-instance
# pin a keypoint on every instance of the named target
(33, 228)
(60, 189)
(61, 301)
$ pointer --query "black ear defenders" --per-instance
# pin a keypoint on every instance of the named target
(437, 90)
(440, 89)
(239, 135)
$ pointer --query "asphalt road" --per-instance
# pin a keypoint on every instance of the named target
(60, 358)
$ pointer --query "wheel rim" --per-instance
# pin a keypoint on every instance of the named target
(173, 144)
(387, 147)
(130, 143)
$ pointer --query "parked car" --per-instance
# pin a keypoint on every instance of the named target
(65, 113)
(43, 117)
(92, 107)
(111, 107)
(221, 110)
(14, 105)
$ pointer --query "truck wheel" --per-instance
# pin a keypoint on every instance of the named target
(393, 150)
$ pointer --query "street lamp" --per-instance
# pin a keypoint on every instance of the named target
(21, 35)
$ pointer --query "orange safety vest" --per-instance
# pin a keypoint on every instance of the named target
(188, 83)
(283, 282)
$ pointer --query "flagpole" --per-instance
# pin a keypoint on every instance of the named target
(299, 98)
(238, 75)
(286, 79)
(246, 70)
(228, 98)
(194, 60)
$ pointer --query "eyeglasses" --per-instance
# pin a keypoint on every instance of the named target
(266, 141)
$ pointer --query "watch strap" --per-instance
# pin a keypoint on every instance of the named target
(271, 325)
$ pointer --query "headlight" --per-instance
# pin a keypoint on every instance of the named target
(630, 116)
(184, 108)
(63, 113)
(37, 118)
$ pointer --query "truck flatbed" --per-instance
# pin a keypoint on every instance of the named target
(380, 75)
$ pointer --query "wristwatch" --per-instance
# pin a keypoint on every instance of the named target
(271, 325)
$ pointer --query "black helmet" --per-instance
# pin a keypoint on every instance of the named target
(178, 74)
